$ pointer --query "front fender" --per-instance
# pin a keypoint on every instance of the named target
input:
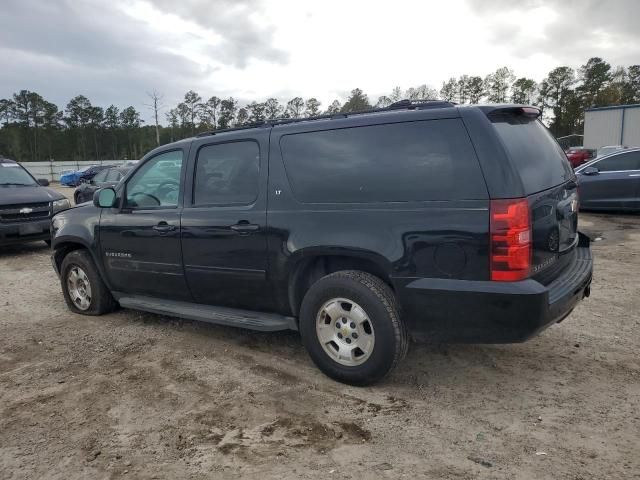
(77, 228)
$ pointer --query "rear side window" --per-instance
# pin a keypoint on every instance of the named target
(534, 152)
(622, 161)
(399, 162)
(227, 174)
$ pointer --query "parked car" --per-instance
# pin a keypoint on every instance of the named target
(603, 151)
(578, 155)
(108, 177)
(26, 205)
(611, 182)
(72, 179)
(91, 172)
(358, 230)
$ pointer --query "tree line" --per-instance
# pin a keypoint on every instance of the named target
(32, 128)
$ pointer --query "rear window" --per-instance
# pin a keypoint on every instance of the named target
(411, 161)
(533, 150)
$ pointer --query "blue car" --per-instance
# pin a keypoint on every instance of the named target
(72, 179)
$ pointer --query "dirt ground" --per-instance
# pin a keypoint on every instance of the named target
(143, 396)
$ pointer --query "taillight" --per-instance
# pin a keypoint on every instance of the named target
(510, 240)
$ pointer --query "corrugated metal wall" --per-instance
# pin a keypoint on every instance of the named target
(602, 127)
(605, 127)
(631, 134)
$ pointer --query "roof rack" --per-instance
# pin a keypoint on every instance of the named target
(400, 105)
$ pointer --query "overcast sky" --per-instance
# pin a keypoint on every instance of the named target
(113, 51)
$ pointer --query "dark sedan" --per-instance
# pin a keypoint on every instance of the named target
(106, 178)
(611, 182)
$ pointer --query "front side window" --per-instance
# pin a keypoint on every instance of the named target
(113, 176)
(227, 174)
(100, 177)
(622, 161)
(156, 183)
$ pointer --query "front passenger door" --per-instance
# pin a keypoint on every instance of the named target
(140, 240)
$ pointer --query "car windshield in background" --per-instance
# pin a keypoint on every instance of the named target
(534, 152)
(14, 174)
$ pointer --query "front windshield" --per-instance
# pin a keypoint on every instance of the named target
(14, 174)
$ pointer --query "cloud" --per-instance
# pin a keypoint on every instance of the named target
(241, 25)
(571, 31)
(99, 49)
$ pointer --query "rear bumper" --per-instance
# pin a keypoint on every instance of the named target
(463, 311)
(13, 233)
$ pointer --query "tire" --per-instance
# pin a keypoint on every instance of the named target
(353, 295)
(99, 300)
(76, 199)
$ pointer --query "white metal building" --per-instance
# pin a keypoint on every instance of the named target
(617, 125)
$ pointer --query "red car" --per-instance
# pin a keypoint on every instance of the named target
(578, 155)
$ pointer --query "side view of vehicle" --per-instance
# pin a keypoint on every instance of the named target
(423, 220)
(611, 182)
(26, 205)
(108, 177)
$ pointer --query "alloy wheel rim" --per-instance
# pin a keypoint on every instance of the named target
(79, 287)
(345, 332)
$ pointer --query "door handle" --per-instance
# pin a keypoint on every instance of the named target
(635, 175)
(244, 227)
(164, 227)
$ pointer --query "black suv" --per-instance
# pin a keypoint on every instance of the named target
(26, 205)
(433, 221)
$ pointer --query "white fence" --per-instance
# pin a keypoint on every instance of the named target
(51, 170)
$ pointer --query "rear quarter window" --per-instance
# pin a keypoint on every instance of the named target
(534, 152)
(399, 162)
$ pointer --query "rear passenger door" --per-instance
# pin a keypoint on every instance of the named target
(224, 220)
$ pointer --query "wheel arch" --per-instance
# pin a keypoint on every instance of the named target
(65, 247)
(311, 267)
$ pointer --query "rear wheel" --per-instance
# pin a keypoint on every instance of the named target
(83, 289)
(350, 325)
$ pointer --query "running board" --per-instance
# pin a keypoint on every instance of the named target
(264, 322)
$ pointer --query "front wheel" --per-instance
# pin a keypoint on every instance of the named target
(83, 288)
(350, 326)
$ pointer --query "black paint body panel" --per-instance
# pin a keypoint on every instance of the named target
(434, 254)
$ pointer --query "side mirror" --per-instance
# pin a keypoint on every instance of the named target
(591, 171)
(104, 198)
(43, 181)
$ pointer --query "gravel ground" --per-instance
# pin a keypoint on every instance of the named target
(145, 396)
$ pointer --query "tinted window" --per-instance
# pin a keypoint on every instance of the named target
(100, 176)
(534, 152)
(156, 183)
(412, 161)
(113, 175)
(227, 174)
(623, 161)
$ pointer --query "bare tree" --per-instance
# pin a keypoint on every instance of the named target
(155, 105)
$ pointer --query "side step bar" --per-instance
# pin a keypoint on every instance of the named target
(264, 322)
